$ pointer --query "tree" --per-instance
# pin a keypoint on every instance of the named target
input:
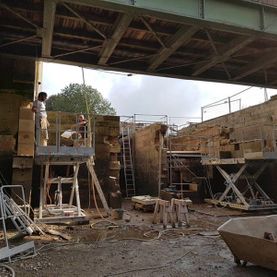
(73, 99)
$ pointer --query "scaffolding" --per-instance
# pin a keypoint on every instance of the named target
(71, 152)
(185, 171)
(254, 150)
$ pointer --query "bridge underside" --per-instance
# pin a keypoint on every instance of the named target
(211, 40)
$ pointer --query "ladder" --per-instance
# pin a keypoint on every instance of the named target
(20, 220)
(10, 209)
(128, 162)
(24, 225)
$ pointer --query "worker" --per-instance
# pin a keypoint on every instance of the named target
(81, 131)
(42, 124)
(82, 126)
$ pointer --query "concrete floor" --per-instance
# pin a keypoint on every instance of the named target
(132, 249)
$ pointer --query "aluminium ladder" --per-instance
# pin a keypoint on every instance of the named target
(20, 219)
(128, 163)
(24, 225)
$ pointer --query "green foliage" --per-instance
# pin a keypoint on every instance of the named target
(73, 99)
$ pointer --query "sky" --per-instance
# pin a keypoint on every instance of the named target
(180, 100)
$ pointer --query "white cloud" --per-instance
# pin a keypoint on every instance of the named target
(57, 76)
(141, 94)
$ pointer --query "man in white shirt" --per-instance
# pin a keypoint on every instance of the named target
(42, 124)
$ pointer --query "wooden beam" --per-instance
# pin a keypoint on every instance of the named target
(217, 53)
(48, 27)
(224, 54)
(263, 62)
(84, 20)
(17, 41)
(148, 26)
(19, 15)
(110, 44)
(133, 59)
(172, 43)
(77, 51)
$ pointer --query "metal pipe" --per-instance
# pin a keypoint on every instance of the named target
(229, 104)
(202, 114)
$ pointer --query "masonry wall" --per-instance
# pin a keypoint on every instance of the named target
(107, 150)
(148, 155)
(16, 91)
(226, 137)
(242, 127)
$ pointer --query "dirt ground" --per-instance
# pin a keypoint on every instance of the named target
(135, 247)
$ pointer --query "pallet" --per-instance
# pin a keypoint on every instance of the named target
(145, 203)
(144, 208)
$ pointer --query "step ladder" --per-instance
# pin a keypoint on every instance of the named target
(18, 214)
(24, 225)
(19, 218)
(128, 162)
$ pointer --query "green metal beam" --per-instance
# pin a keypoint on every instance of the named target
(235, 15)
(48, 27)
(110, 44)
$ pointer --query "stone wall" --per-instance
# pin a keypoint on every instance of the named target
(235, 135)
(148, 154)
(16, 91)
(107, 150)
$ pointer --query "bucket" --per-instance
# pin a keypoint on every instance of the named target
(117, 213)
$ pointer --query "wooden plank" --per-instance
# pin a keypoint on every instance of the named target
(226, 52)
(265, 60)
(145, 200)
(180, 38)
(48, 27)
(109, 45)
(97, 185)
